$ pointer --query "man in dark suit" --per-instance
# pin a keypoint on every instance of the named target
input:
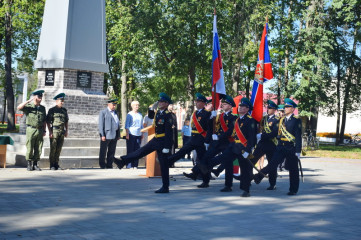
(162, 142)
(109, 134)
(289, 147)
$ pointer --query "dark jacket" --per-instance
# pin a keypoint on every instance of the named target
(223, 137)
(163, 122)
(248, 127)
(293, 126)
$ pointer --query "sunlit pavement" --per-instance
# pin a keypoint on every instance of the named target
(121, 204)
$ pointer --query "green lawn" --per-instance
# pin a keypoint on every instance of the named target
(331, 151)
(4, 126)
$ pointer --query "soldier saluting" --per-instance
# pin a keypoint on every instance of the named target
(36, 128)
(289, 147)
(57, 121)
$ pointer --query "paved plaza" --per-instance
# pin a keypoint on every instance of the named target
(121, 204)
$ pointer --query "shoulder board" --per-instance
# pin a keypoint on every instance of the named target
(296, 116)
(249, 116)
(278, 118)
(166, 111)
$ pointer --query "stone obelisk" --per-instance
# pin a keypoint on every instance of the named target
(72, 59)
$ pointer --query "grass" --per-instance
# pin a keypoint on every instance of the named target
(4, 126)
(331, 151)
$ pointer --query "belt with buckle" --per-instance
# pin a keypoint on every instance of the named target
(160, 135)
(57, 127)
(34, 127)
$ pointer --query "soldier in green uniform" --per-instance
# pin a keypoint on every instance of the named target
(36, 128)
(57, 121)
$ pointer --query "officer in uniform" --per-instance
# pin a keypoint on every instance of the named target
(57, 121)
(36, 128)
(289, 147)
(200, 121)
(218, 140)
(162, 142)
(244, 134)
(267, 140)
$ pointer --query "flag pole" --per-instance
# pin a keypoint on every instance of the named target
(214, 92)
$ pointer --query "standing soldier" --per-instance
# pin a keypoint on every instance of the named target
(162, 142)
(57, 121)
(289, 147)
(219, 141)
(267, 140)
(36, 128)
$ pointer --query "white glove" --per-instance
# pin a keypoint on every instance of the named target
(165, 150)
(214, 137)
(155, 106)
(206, 145)
(245, 154)
(298, 155)
(213, 114)
(259, 136)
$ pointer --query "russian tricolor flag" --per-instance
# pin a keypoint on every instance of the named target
(218, 86)
(263, 73)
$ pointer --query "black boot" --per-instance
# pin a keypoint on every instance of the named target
(30, 166)
(36, 167)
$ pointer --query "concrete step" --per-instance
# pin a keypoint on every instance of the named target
(83, 151)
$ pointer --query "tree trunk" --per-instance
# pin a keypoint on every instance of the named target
(349, 77)
(124, 104)
(9, 83)
(338, 102)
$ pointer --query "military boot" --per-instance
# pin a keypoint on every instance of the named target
(36, 167)
(30, 166)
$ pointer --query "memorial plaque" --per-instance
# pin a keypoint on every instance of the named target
(49, 77)
(84, 79)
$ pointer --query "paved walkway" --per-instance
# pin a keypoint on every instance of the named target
(120, 204)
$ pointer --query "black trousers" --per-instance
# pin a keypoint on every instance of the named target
(268, 149)
(287, 151)
(226, 159)
(188, 147)
(133, 144)
(214, 148)
(107, 148)
(156, 144)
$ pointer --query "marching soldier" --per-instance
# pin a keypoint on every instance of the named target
(200, 120)
(289, 147)
(57, 121)
(36, 128)
(219, 141)
(244, 135)
(267, 140)
(162, 142)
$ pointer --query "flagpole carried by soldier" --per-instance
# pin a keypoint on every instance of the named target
(289, 147)
(57, 121)
(35, 130)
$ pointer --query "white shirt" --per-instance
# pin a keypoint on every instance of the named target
(116, 119)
